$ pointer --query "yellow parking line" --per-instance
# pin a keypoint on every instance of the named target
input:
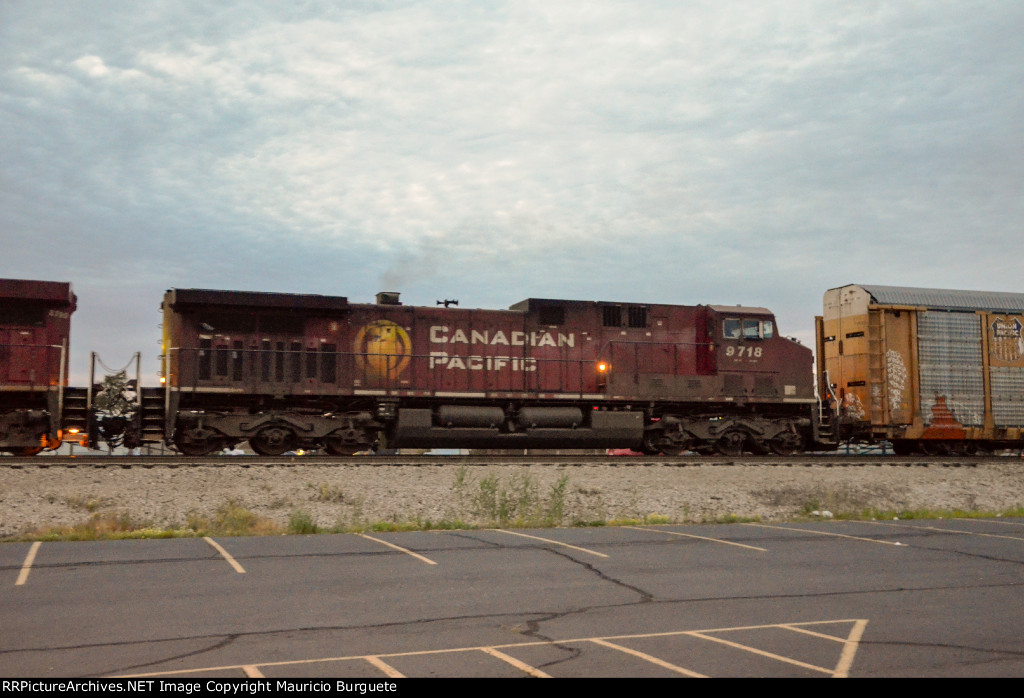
(944, 530)
(252, 672)
(26, 567)
(653, 660)
(690, 535)
(548, 540)
(849, 650)
(389, 671)
(224, 554)
(398, 548)
(522, 666)
(992, 519)
(846, 657)
(823, 533)
(754, 650)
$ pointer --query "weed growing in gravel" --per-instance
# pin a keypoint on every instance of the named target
(328, 493)
(516, 502)
(300, 522)
(105, 527)
(232, 519)
(733, 518)
(649, 520)
(85, 502)
(907, 514)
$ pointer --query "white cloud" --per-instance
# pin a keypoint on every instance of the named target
(718, 152)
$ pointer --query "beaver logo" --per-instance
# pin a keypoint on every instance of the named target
(382, 349)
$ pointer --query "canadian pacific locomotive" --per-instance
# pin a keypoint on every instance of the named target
(298, 371)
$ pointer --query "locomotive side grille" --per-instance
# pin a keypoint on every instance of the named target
(328, 365)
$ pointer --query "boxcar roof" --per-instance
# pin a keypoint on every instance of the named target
(946, 299)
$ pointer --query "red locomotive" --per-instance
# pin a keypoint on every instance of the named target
(286, 371)
(35, 324)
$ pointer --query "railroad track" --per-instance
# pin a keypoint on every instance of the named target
(811, 460)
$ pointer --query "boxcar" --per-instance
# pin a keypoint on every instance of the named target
(931, 370)
(286, 371)
(35, 324)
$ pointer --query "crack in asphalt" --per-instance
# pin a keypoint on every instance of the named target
(533, 624)
(228, 640)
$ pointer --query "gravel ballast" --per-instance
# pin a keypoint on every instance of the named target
(34, 499)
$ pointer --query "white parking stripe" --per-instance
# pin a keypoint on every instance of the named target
(225, 555)
(943, 530)
(398, 548)
(653, 660)
(26, 567)
(522, 666)
(824, 533)
(762, 653)
(548, 540)
(690, 535)
(389, 671)
(991, 519)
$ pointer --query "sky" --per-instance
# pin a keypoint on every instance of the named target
(722, 152)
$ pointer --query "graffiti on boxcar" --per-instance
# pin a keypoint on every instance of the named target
(896, 378)
(1007, 342)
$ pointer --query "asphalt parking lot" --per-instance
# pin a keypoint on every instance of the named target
(858, 599)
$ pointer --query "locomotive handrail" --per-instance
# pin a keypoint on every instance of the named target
(280, 374)
(241, 368)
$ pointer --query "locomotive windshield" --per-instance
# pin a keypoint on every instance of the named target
(735, 328)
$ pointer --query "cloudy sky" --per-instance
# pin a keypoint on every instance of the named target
(755, 152)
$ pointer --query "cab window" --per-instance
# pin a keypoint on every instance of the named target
(733, 328)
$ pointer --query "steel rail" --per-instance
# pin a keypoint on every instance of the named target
(808, 460)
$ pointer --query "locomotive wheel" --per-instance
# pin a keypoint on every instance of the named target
(656, 442)
(341, 447)
(273, 441)
(786, 444)
(652, 443)
(731, 443)
(758, 446)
